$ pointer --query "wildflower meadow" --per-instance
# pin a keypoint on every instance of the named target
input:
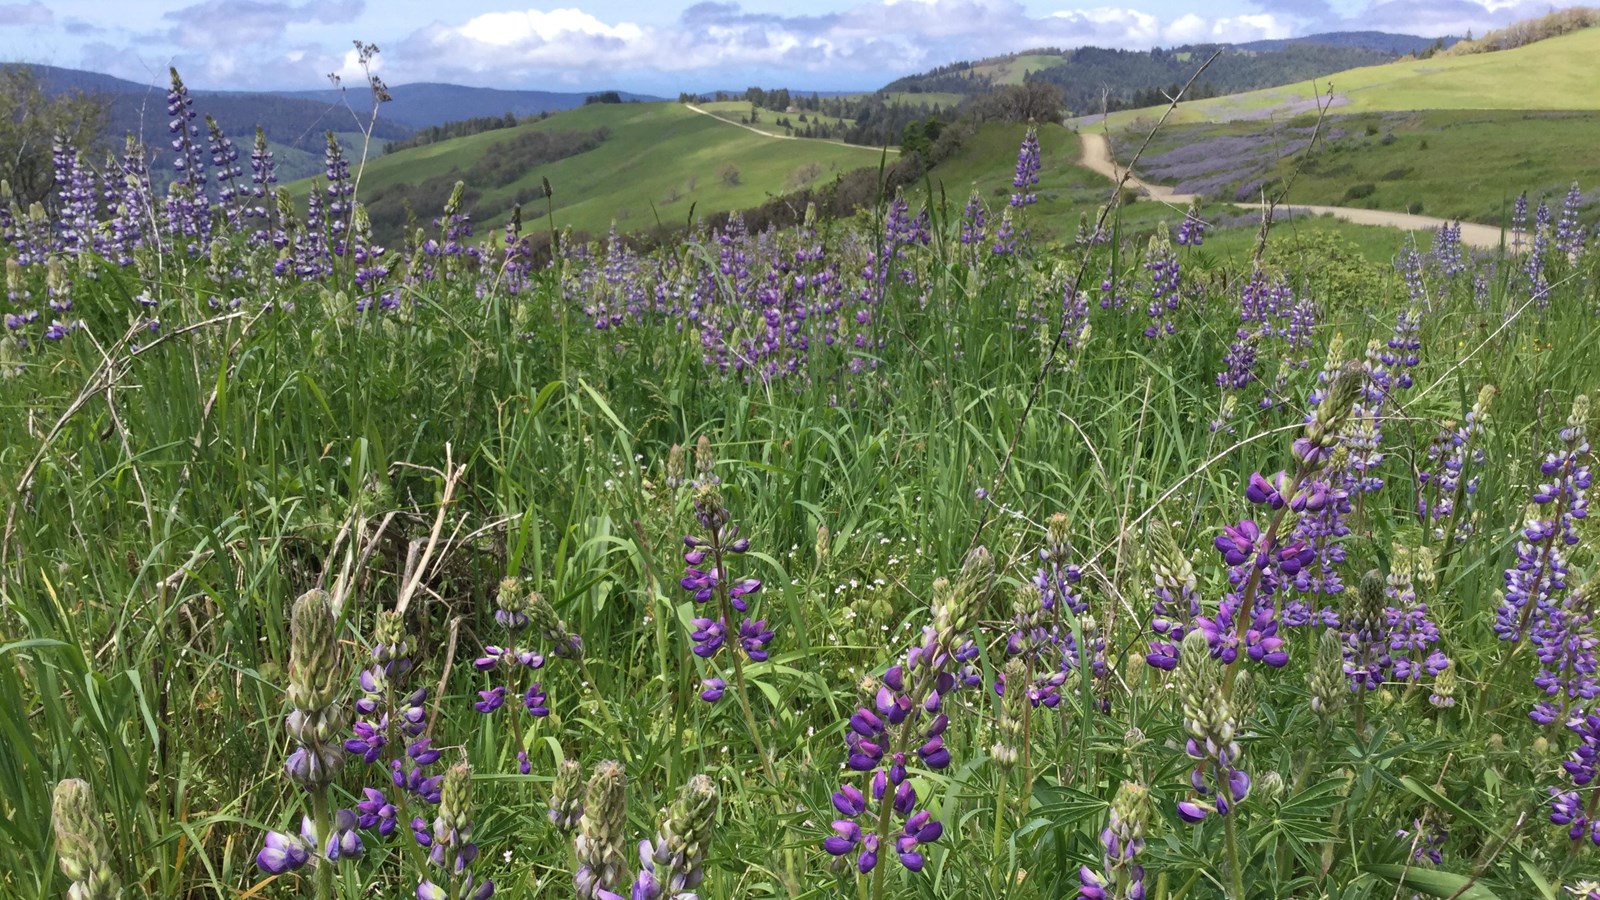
(924, 553)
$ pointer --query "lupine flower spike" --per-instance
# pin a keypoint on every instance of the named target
(1120, 877)
(566, 797)
(81, 843)
(602, 865)
(450, 847)
(673, 865)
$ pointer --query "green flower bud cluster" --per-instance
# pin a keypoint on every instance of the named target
(1327, 680)
(81, 843)
(566, 797)
(1207, 714)
(567, 644)
(677, 857)
(316, 677)
(602, 864)
(1013, 708)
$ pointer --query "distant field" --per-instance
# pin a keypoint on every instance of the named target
(766, 119)
(659, 154)
(1556, 74)
(1010, 70)
(1458, 164)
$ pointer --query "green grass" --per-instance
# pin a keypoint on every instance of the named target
(1451, 164)
(1012, 69)
(167, 504)
(658, 154)
(766, 119)
(1553, 74)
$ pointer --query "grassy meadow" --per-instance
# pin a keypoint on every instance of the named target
(1552, 74)
(896, 556)
(1445, 163)
(660, 159)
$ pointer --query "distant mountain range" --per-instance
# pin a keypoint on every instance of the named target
(426, 103)
(1381, 41)
(299, 118)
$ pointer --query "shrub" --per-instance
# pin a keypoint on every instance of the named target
(1359, 191)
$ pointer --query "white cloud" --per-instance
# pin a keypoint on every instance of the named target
(504, 29)
(874, 39)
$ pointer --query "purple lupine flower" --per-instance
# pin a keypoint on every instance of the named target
(1427, 836)
(905, 722)
(1005, 236)
(1519, 222)
(188, 210)
(517, 608)
(78, 201)
(706, 557)
(1218, 783)
(973, 219)
(1412, 635)
(284, 852)
(1446, 488)
(1192, 230)
(1569, 230)
(1166, 287)
(1175, 598)
(1120, 877)
(451, 850)
(376, 813)
(1367, 659)
(1537, 583)
(1027, 173)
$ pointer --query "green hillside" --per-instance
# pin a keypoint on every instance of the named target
(659, 154)
(1554, 74)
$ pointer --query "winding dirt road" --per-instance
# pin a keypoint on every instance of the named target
(782, 137)
(1097, 157)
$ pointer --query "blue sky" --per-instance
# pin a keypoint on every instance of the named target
(660, 47)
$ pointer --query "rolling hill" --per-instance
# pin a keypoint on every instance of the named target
(1553, 74)
(1092, 76)
(654, 160)
(1452, 136)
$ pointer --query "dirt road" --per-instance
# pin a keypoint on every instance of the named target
(1097, 157)
(781, 137)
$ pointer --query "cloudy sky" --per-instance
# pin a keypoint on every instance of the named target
(659, 47)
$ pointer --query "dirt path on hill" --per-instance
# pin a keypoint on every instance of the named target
(1097, 157)
(780, 137)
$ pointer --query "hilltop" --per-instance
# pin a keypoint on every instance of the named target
(1092, 78)
(630, 163)
(1433, 136)
(1553, 74)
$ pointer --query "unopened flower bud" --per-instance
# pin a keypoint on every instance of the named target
(566, 796)
(81, 842)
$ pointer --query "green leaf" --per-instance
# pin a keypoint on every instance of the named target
(1434, 882)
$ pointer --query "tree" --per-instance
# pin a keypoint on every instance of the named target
(32, 121)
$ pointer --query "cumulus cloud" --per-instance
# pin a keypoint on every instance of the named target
(1429, 18)
(34, 13)
(869, 40)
